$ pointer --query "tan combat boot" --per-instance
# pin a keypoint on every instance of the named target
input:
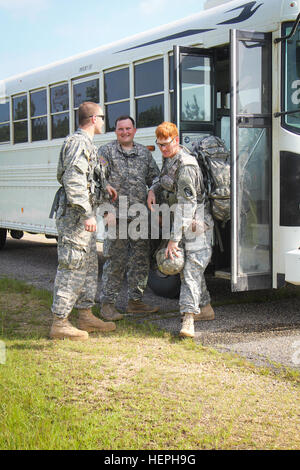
(207, 313)
(137, 306)
(187, 327)
(109, 312)
(62, 328)
(88, 322)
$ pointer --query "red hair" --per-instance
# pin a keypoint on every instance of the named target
(166, 129)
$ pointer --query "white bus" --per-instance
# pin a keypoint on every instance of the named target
(232, 70)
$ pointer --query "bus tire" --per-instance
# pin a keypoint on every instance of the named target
(3, 233)
(164, 286)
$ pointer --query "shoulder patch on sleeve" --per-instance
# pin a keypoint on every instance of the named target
(81, 158)
(103, 160)
(188, 192)
(186, 188)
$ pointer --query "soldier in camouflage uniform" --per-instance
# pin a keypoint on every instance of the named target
(130, 169)
(182, 184)
(78, 198)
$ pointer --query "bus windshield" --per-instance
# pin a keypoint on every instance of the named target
(292, 79)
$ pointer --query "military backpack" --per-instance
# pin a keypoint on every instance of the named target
(214, 161)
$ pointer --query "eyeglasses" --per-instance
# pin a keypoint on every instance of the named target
(166, 144)
(98, 115)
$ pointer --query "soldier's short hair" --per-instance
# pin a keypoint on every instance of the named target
(86, 110)
(165, 130)
(123, 118)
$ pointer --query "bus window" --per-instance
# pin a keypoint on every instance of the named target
(291, 62)
(4, 122)
(20, 126)
(59, 102)
(84, 91)
(252, 97)
(196, 88)
(298, 57)
(149, 93)
(225, 130)
(254, 222)
(116, 96)
(38, 113)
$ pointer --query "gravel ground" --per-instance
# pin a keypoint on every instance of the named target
(265, 333)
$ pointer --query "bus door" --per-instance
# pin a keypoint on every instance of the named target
(194, 93)
(251, 160)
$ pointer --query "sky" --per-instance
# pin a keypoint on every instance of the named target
(34, 33)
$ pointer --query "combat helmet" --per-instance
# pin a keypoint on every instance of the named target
(169, 266)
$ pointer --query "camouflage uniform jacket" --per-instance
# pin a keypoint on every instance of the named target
(182, 183)
(76, 170)
(129, 172)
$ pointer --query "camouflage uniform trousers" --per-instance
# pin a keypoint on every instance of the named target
(121, 255)
(77, 273)
(193, 291)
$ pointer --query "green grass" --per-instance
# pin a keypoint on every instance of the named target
(135, 388)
